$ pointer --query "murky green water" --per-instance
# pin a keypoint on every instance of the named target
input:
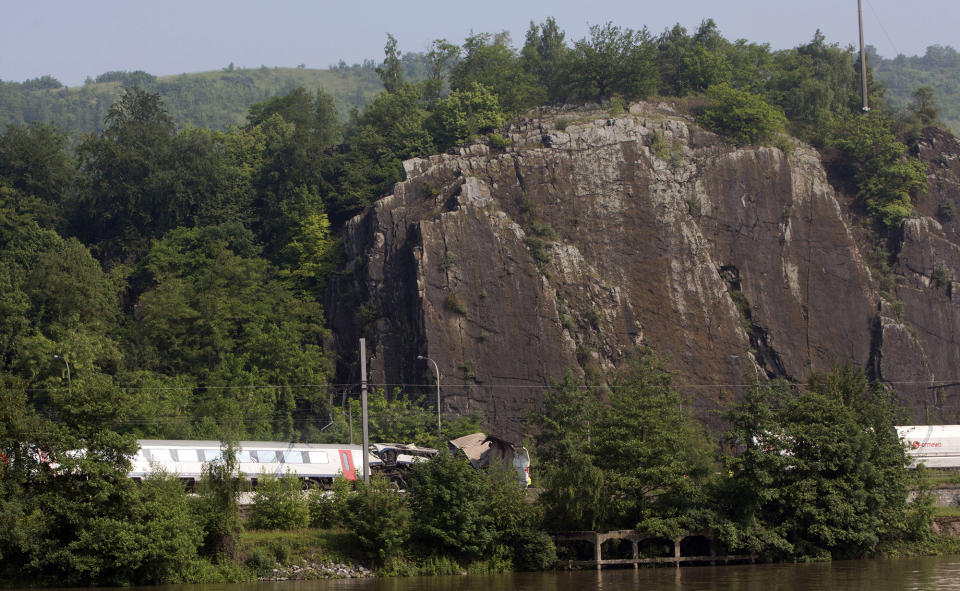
(872, 575)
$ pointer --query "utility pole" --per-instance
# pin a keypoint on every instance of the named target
(863, 57)
(363, 406)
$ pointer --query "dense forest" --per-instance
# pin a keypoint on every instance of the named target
(166, 281)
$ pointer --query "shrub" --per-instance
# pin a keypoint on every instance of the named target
(380, 517)
(329, 508)
(743, 117)
(498, 141)
(261, 561)
(279, 503)
(616, 105)
(947, 211)
(875, 160)
(447, 261)
(455, 304)
(534, 550)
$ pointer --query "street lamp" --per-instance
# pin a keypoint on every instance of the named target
(439, 437)
(69, 382)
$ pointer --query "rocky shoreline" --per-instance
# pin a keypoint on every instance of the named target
(318, 570)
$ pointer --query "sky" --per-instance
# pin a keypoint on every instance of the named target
(71, 39)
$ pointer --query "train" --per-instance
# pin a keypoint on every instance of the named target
(319, 463)
(934, 446)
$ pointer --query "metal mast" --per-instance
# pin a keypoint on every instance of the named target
(863, 57)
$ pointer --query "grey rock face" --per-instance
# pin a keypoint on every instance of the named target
(591, 235)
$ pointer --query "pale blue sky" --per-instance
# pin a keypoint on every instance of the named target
(73, 39)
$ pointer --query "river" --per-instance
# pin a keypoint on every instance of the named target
(873, 575)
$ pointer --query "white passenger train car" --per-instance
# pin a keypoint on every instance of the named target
(935, 446)
(310, 461)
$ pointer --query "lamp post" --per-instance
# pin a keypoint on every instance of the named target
(69, 382)
(439, 437)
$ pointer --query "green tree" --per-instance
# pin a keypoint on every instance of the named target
(490, 60)
(218, 505)
(391, 71)
(545, 55)
(637, 460)
(614, 60)
(448, 499)
(35, 172)
(573, 495)
(822, 473)
(876, 162)
(924, 107)
(380, 517)
(743, 117)
(465, 114)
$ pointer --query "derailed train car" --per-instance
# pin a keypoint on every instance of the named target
(935, 446)
(314, 462)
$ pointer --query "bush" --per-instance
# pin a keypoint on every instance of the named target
(743, 117)
(261, 561)
(498, 141)
(380, 517)
(329, 508)
(455, 304)
(876, 161)
(279, 503)
(534, 550)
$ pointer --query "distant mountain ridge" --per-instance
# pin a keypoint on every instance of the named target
(938, 68)
(214, 100)
(220, 98)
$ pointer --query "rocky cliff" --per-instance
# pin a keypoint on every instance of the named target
(589, 235)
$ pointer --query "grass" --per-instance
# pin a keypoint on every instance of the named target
(293, 546)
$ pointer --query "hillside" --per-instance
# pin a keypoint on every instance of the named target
(938, 68)
(213, 100)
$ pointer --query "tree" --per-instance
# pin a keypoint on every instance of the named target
(441, 58)
(35, 167)
(545, 55)
(491, 61)
(464, 114)
(634, 461)
(612, 61)
(822, 473)
(876, 162)
(391, 71)
(924, 107)
(743, 117)
(218, 506)
(380, 517)
(449, 502)
(573, 495)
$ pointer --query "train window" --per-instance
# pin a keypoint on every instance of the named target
(187, 455)
(318, 457)
(212, 455)
(245, 457)
(160, 455)
(293, 457)
(266, 456)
